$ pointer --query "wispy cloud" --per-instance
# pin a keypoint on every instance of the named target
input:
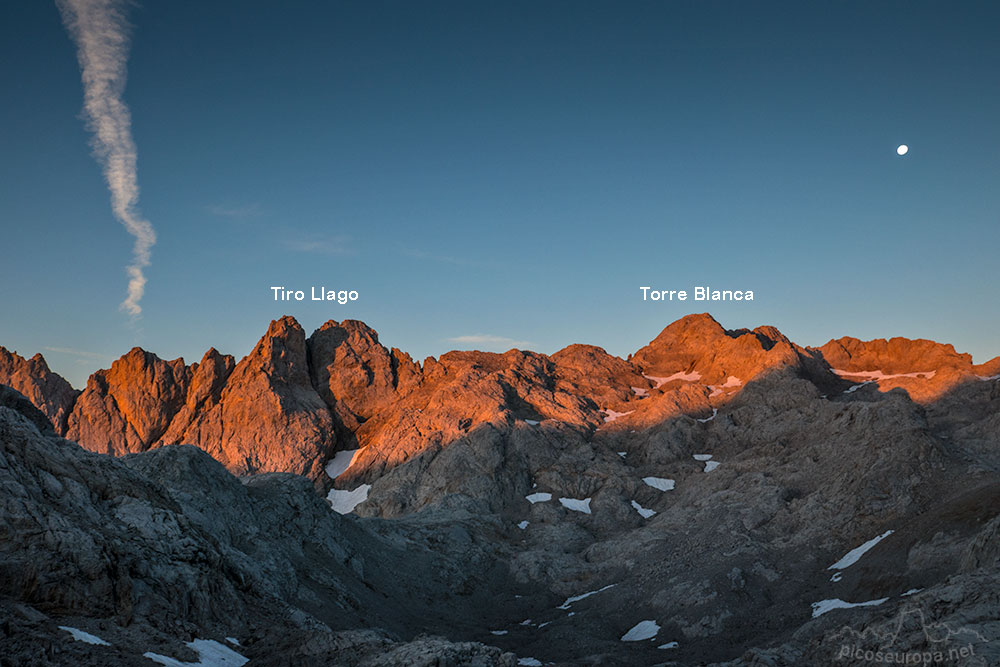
(337, 245)
(236, 212)
(101, 34)
(445, 259)
(490, 340)
(80, 354)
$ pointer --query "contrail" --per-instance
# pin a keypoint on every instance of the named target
(101, 34)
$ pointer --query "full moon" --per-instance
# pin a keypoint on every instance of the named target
(902, 149)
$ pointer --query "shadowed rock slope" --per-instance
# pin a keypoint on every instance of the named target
(153, 550)
(721, 497)
(293, 402)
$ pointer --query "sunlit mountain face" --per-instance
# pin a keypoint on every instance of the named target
(516, 506)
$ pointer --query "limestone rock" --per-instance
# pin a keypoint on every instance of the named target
(355, 374)
(590, 372)
(926, 370)
(697, 344)
(208, 378)
(128, 407)
(268, 416)
(460, 392)
(47, 390)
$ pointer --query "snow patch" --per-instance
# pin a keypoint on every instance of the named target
(730, 383)
(498, 633)
(874, 376)
(540, 497)
(851, 390)
(210, 654)
(837, 577)
(709, 464)
(659, 483)
(344, 502)
(577, 505)
(988, 378)
(823, 606)
(233, 640)
(693, 376)
(852, 556)
(583, 596)
(529, 662)
(622, 454)
(523, 525)
(669, 645)
(641, 631)
(612, 415)
(340, 462)
(640, 392)
(532, 422)
(912, 591)
(715, 411)
(643, 512)
(86, 637)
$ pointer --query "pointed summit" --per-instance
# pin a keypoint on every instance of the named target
(268, 418)
(354, 373)
(47, 390)
(129, 406)
(699, 345)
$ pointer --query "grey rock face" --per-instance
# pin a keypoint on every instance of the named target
(165, 546)
(521, 506)
(32, 378)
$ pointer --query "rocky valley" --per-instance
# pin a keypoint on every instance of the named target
(719, 497)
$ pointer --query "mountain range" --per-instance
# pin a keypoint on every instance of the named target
(329, 500)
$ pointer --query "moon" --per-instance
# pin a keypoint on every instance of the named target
(903, 148)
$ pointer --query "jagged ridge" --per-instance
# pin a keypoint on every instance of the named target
(293, 401)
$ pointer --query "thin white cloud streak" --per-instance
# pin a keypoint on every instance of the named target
(101, 34)
(490, 340)
(248, 211)
(72, 351)
(447, 259)
(335, 246)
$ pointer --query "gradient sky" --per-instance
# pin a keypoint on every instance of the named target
(509, 169)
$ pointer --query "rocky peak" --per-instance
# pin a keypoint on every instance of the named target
(589, 371)
(128, 407)
(208, 379)
(268, 417)
(18, 402)
(287, 404)
(770, 336)
(697, 344)
(924, 368)
(281, 353)
(354, 373)
(47, 390)
(460, 393)
(893, 356)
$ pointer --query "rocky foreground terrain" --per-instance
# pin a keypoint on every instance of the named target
(718, 498)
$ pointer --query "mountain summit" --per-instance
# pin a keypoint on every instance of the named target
(294, 401)
(721, 497)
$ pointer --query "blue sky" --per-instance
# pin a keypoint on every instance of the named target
(513, 170)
